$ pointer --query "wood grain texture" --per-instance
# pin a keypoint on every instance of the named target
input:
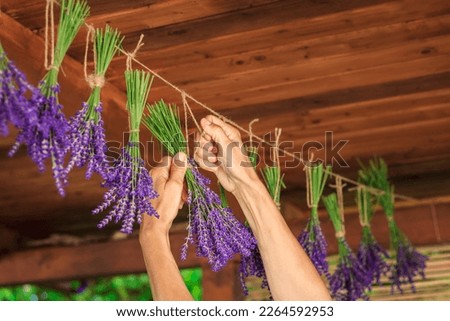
(374, 72)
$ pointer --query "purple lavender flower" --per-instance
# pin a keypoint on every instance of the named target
(14, 106)
(215, 231)
(313, 242)
(350, 280)
(130, 191)
(372, 257)
(252, 265)
(87, 142)
(409, 264)
(44, 133)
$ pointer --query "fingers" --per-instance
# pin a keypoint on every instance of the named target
(231, 132)
(205, 153)
(160, 173)
(215, 132)
(178, 169)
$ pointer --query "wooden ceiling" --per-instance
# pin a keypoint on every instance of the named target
(376, 73)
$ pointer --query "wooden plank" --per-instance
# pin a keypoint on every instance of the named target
(298, 51)
(85, 261)
(145, 13)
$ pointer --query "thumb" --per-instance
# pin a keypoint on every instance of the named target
(216, 132)
(178, 170)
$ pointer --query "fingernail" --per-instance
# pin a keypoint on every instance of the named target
(206, 122)
(182, 157)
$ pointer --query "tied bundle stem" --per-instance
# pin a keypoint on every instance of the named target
(45, 133)
(409, 263)
(214, 230)
(349, 282)
(311, 238)
(130, 185)
(87, 133)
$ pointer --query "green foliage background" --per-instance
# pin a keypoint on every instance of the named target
(133, 287)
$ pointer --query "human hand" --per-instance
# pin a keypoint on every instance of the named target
(219, 149)
(168, 182)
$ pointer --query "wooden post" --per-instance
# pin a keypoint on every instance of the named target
(223, 285)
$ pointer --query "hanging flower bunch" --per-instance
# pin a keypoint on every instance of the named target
(214, 230)
(409, 263)
(130, 185)
(252, 265)
(14, 106)
(45, 132)
(312, 239)
(349, 281)
(87, 134)
(370, 254)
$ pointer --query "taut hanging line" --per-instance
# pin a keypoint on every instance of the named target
(49, 24)
(258, 138)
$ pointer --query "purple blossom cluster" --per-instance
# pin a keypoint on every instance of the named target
(14, 106)
(130, 191)
(44, 132)
(215, 231)
(252, 265)
(349, 281)
(372, 257)
(409, 264)
(313, 242)
(87, 142)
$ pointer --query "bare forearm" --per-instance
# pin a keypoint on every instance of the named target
(289, 271)
(165, 278)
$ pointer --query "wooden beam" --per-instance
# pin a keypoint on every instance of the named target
(85, 261)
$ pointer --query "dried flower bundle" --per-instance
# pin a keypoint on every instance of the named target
(45, 131)
(370, 254)
(312, 239)
(14, 106)
(87, 134)
(409, 263)
(130, 185)
(214, 230)
(349, 281)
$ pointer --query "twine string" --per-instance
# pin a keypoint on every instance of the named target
(437, 232)
(186, 105)
(250, 131)
(363, 204)
(371, 189)
(277, 162)
(131, 56)
(94, 79)
(49, 28)
(186, 127)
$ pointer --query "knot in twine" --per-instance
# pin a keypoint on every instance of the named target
(95, 80)
(132, 55)
(340, 234)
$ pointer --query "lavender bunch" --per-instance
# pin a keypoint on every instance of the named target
(14, 106)
(349, 281)
(312, 239)
(87, 134)
(370, 254)
(252, 265)
(130, 185)
(409, 263)
(214, 230)
(45, 133)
